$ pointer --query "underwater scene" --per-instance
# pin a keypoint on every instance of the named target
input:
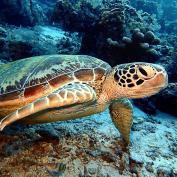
(88, 88)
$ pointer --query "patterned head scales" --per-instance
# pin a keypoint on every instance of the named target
(140, 75)
(135, 74)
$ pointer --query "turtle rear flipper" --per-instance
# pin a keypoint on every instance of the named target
(66, 96)
(121, 112)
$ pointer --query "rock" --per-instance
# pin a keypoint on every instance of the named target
(19, 49)
(153, 154)
(40, 40)
(76, 15)
(173, 147)
(138, 120)
(50, 134)
(107, 171)
(94, 153)
(26, 13)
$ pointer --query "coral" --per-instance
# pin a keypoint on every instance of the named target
(76, 15)
(167, 99)
(140, 45)
(144, 22)
(112, 19)
(119, 19)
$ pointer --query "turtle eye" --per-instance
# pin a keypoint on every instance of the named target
(146, 71)
(142, 71)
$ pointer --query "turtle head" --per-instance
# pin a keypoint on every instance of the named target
(137, 80)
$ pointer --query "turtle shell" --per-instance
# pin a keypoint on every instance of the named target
(37, 76)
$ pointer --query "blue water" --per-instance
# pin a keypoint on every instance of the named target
(115, 31)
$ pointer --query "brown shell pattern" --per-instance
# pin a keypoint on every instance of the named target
(27, 77)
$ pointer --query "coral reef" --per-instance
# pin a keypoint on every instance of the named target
(117, 19)
(21, 42)
(110, 19)
(76, 15)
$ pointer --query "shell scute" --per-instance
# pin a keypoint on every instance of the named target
(12, 96)
(32, 76)
(60, 80)
(31, 91)
(84, 74)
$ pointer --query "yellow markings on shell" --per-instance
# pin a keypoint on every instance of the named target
(58, 96)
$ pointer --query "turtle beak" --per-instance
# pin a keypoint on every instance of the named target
(161, 76)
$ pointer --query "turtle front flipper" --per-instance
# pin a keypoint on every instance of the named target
(121, 112)
(68, 95)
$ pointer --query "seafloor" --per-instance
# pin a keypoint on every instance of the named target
(91, 147)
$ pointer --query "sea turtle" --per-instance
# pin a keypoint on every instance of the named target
(61, 87)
